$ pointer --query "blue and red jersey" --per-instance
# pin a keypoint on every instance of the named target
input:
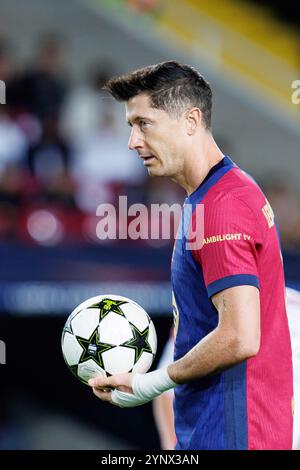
(248, 406)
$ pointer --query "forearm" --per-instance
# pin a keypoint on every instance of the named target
(215, 352)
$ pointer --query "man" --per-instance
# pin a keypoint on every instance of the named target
(233, 369)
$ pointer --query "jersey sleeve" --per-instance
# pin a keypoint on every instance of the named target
(231, 244)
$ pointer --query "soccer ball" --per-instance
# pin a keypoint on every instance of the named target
(108, 334)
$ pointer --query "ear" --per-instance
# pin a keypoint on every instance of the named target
(193, 120)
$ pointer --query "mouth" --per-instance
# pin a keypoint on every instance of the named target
(148, 159)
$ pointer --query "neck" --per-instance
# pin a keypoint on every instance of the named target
(200, 159)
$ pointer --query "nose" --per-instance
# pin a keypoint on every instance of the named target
(136, 140)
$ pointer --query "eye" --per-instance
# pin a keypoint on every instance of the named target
(143, 124)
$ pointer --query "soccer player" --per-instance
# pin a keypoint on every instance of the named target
(232, 369)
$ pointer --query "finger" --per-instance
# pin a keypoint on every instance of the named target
(105, 396)
(100, 382)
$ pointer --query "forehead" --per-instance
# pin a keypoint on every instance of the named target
(139, 106)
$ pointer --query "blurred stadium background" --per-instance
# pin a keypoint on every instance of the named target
(63, 152)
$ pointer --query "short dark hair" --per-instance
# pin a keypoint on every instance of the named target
(171, 86)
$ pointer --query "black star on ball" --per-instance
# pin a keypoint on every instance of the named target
(109, 305)
(139, 342)
(93, 349)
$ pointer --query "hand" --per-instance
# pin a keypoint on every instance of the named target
(129, 390)
(103, 386)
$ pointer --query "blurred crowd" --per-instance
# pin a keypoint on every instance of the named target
(63, 151)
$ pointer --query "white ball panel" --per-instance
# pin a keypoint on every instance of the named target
(71, 349)
(85, 322)
(114, 329)
(152, 338)
(89, 369)
(118, 360)
(144, 363)
(136, 315)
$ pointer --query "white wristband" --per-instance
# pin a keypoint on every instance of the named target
(145, 388)
(148, 386)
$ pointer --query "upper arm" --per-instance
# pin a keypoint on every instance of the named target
(239, 317)
(229, 259)
(232, 240)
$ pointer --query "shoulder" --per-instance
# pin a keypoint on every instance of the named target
(236, 204)
(237, 193)
(236, 185)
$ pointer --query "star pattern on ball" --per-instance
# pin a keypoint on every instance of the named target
(109, 305)
(139, 342)
(93, 349)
